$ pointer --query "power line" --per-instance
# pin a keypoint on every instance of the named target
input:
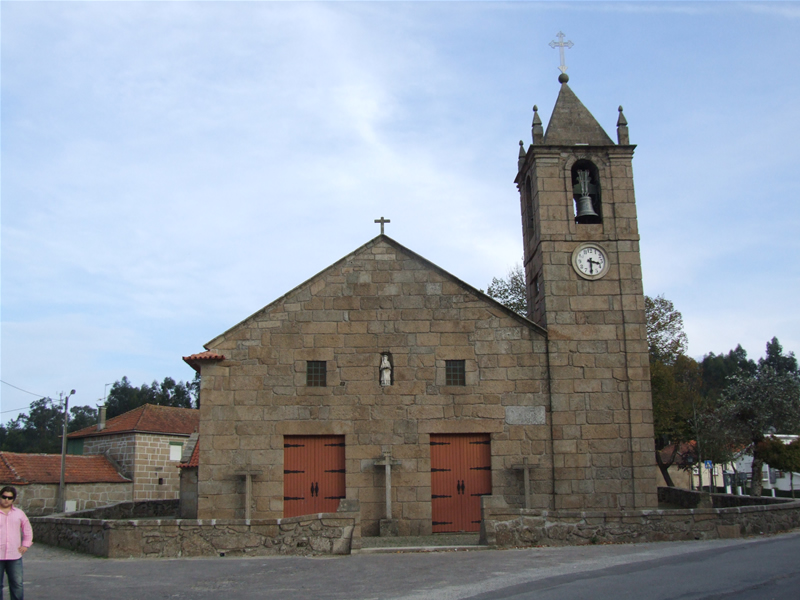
(2, 412)
(40, 396)
(21, 390)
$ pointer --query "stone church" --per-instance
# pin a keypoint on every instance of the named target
(387, 380)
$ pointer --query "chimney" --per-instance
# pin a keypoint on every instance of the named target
(101, 418)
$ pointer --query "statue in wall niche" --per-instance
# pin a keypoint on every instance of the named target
(386, 371)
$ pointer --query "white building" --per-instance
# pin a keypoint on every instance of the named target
(771, 478)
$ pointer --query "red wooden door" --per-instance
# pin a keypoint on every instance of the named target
(461, 473)
(313, 474)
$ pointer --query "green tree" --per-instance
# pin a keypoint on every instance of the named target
(675, 391)
(752, 406)
(511, 290)
(123, 396)
(666, 339)
(780, 362)
(718, 368)
(81, 417)
(674, 382)
(39, 430)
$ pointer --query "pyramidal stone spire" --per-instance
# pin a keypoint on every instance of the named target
(571, 123)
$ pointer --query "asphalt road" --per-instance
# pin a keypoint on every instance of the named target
(764, 568)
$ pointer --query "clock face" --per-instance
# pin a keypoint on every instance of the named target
(590, 261)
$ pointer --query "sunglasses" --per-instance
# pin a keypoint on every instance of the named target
(7, 497)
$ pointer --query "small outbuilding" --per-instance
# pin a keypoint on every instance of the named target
(91, 481)
(146, 442)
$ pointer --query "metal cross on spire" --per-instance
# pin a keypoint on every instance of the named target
(561, 44)
(382, 221)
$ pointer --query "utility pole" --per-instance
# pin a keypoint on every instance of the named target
(700, 463)
(62, 496)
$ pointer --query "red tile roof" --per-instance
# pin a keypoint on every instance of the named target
(148, 418)
(7, 473)
(194, 459)
(194, 360)
(23, 469)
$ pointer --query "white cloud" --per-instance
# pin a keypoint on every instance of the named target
(169, 168)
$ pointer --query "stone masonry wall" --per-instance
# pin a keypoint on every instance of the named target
(144, 458)
(691, 499)
(121, 447)
(327, 533)
(601, 403)
(156, 477)
(143, 509)
(40, 499)
(379, 299)
(504, 527)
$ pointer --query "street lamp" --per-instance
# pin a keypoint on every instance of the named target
(62, 498)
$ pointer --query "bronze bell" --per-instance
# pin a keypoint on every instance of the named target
(585, 208)
(585, 212)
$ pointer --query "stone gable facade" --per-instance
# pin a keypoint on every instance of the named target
(120, 447)
(382, 299)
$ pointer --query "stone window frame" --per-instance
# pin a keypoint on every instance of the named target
(472, 373)
(178, 445)
(455, 372)
(316, 373)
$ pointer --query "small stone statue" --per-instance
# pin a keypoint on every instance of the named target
(386, 371)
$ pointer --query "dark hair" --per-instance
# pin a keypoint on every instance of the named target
(8, 488)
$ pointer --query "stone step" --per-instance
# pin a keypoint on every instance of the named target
(442, 542)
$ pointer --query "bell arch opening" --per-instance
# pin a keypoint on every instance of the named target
(586, 193)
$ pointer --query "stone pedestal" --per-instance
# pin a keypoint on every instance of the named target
(389, 528)
(248, 490)
(387, 462)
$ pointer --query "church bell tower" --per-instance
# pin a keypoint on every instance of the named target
(584, 285)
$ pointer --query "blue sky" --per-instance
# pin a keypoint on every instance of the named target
(170, 168)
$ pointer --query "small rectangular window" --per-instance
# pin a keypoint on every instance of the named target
(455, 373)
(316, 373)
(175, 450)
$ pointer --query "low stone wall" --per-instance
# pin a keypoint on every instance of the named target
(324, 533)
(144, 509)
(89, 536)
(691, 499)
(506, 527)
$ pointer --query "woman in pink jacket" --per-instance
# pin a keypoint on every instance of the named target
(16, 536)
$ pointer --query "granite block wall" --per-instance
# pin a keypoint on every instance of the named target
(41, 498)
